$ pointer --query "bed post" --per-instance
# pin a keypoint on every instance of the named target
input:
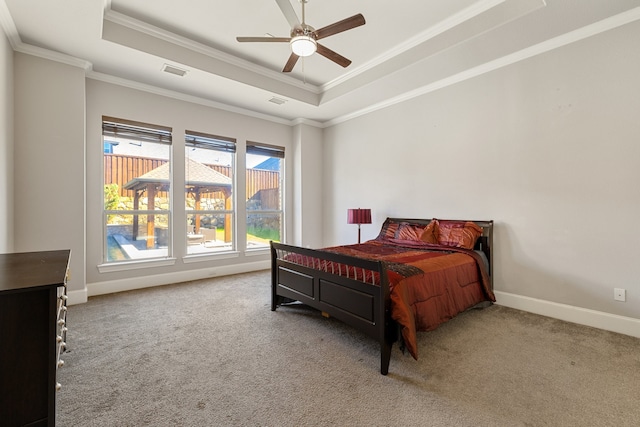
(386, 328)
(274, 276)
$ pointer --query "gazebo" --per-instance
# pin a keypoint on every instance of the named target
(200, 179)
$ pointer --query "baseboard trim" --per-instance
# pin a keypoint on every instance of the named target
(77, 297)
(129, 284)
(583, 316)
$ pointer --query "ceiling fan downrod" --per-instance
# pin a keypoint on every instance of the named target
(303, 19)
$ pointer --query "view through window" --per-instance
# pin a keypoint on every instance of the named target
(209, 165)
(136, 190)
(265, 166)
(137, 208)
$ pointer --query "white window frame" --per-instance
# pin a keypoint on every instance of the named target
(253, 147)
(131, 130)
(201, 140)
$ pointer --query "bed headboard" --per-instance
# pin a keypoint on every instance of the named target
(483, 244)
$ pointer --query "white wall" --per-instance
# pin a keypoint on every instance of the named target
(6, 145)
(118, 101)
(307, 186)
(49, 160)
(549, 148)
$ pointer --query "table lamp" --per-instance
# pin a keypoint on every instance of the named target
(359, 216)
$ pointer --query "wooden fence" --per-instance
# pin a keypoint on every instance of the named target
(120, 169)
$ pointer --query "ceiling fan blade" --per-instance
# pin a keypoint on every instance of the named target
(335, 57)
(263, 39)
(289, 13)
(290, 63)
(340, 26)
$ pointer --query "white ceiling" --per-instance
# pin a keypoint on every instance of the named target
(406, 48)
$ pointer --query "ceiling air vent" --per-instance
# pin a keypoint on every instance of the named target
(278, 101)
(174, 70)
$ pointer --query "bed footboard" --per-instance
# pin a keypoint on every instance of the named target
(353, 290)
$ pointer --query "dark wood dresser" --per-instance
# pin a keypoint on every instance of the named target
(32, 335)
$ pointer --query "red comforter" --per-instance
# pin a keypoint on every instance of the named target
(428, 285)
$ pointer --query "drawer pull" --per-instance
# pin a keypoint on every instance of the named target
(58, 386)
(61, 322)
(64, 297)
(60, 363)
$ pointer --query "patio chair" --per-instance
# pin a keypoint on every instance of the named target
(208, 233)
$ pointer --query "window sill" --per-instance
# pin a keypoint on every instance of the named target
(135, 265)
(257, 251)
(188, 259)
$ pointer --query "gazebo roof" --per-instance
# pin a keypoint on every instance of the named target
(199, 177)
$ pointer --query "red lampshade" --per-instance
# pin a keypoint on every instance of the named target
(359, 216)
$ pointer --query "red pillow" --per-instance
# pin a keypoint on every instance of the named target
(459, 234)
(408, 231)
(388, 230)
(429, 233)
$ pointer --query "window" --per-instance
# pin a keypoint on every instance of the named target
(209, 167)
(265, 166)
(137, 205)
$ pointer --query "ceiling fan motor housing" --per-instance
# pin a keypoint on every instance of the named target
(303, 30)
(303, 40)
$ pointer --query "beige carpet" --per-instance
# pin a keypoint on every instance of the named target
(211, 353)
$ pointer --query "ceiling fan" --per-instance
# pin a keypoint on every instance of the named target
(304, 38)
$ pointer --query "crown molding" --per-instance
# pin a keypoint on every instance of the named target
(9, 27)
(107, 78)
(443, 26)
(54, 56)
(303, 121)
(537, 49)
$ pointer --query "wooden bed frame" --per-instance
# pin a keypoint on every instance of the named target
(365, 306)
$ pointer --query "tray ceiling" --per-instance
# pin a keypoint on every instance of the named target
(405, 49)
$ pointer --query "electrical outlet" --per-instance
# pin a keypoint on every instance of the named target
(619, 294)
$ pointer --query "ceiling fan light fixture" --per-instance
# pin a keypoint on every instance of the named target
(303, 45)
